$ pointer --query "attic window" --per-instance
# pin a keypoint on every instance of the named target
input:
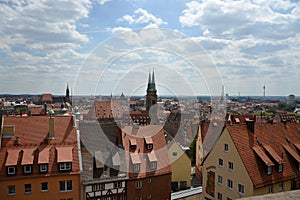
(8, 131)
(280, 167)
(149, 143)
(133, 144)
(269, 170)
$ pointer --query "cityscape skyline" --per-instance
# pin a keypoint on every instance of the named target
(246, 45)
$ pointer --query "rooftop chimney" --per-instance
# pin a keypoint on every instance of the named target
(250, 124)
(51, 128)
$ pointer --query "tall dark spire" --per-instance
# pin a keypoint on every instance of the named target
(67, 97)
(151, 96)
(151, 82)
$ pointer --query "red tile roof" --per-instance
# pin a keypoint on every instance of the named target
(12, 157)
(141, 154)
(44, 156)
(28, 156)
(33, 133)
(273, 137)
(259, 151)
(106, 109)
(46, 98)
(64, 154)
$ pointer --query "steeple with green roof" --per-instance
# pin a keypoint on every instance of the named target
(151, 96)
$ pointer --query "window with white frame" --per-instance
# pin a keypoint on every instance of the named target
(174, 154)
(230, 166)
(44, 186)
(67, 166)
(220, 162)
(153, 165)
(98, 187)
(241, 188)
(43, 168)
(27, 188)
(220, 180)
(27, 169)
(118, 184)
(65, 186)
(11, 190)
(138, 184)
(226, 147)
(229, 184)
(136, 168)
(11, 170)
(149, 146)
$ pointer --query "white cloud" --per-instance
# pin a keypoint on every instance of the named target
(101, 2)
(251, 42)
(142, 16)
(43, 36)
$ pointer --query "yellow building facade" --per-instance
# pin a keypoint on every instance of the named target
(181, 167)
(250, 159)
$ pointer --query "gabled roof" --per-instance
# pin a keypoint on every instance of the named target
(141, 154)
(106, 110)
(268, 143)
(30, 144)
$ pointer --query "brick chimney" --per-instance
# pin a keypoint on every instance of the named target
(250, 124)
(51, 127)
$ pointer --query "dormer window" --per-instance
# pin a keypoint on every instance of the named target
(64, 158)
(153, 165)
(132, 144)
(67, 166)
(135, 160)
(280, 167)
(27, 169)
(149, 143)
(136, 167)
(269, 170)
(149, 146)
(11, 170)
(133, 147)
(43, 168)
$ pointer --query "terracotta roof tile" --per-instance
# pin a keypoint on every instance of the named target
(156, 132)
(292, 152)
(33, 132)
(28, 156)
(12, 157)
(258, 150)
(273, 136)
(64, 154)
(273, 153)
(44, 156)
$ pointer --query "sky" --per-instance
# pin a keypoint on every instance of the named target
(101, 47)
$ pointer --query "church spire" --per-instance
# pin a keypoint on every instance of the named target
(67, 97)
(151, 96)
(153, 80)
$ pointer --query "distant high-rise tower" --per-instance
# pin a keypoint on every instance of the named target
(151, 96)
(264, 88)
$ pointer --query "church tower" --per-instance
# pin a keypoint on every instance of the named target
(151, 96)
(67, 97)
